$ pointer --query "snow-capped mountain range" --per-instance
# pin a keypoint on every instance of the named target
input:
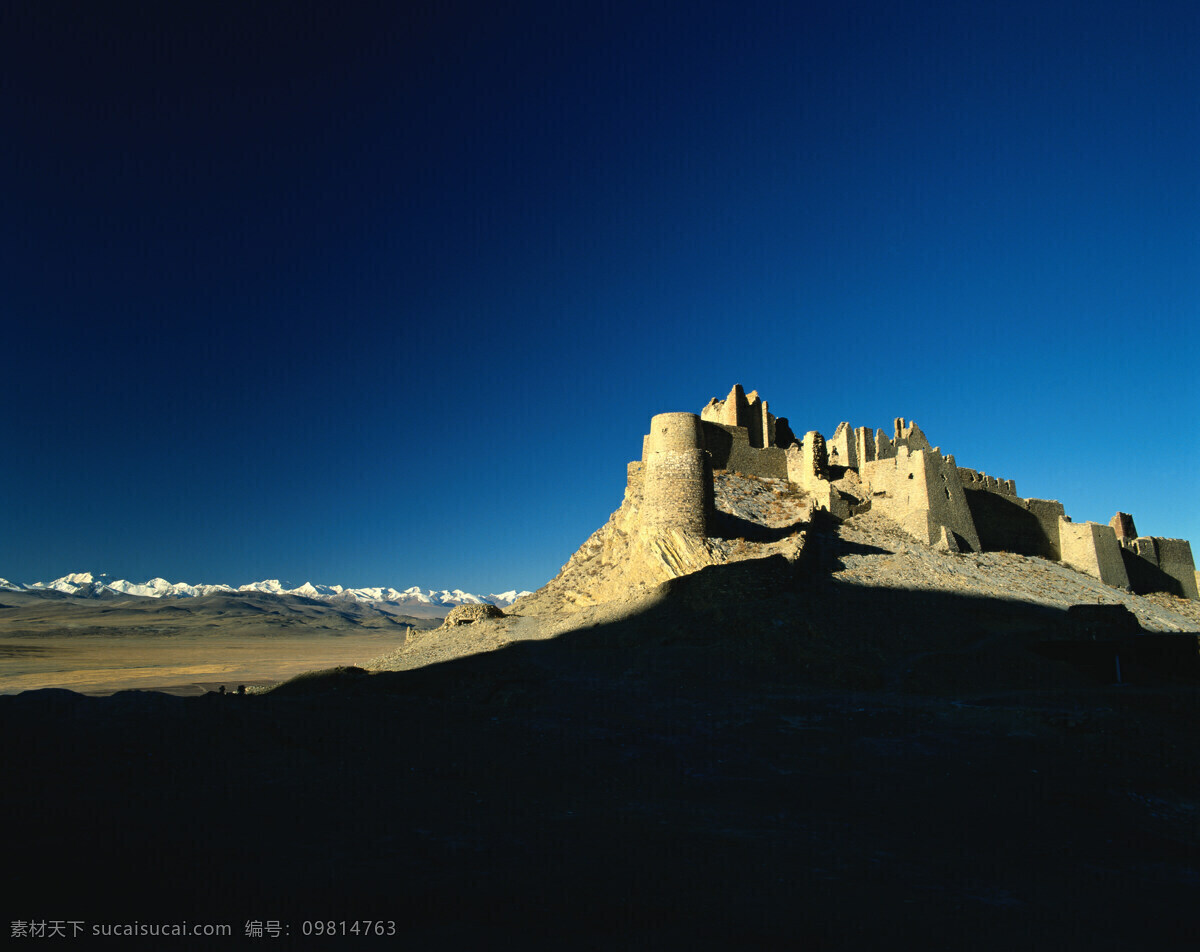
(87, 585)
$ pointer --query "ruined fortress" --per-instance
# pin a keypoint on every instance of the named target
(901, 476)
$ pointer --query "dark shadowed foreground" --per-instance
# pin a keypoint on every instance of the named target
(727, 769)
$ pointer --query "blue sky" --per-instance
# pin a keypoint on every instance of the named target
(387, 294)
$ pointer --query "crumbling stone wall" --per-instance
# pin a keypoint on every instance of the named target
(1091, 548)
(1122, 524)
(884, 447)
(808, 467)
(1049, 514)
(864, 445)
(808, 463)
(768, 426)
(734, 410)
(971, 479)
(1141, 565)
(1144, 547)
(729, 448)
(1003, 524)
(842, 447)
(755, 421)
(1007, 523)
(852, 447)
(919, 490)
(1175, 560)
(750, 412)
(910, 436)
(1155, 564)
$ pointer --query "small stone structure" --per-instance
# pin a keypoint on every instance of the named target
(902, 475)
(468, 614)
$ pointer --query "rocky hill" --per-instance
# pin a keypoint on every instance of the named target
(818, 591)
(801, 560)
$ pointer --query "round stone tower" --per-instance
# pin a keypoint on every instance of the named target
(678, 483)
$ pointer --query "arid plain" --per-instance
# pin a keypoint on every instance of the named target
(184, 646)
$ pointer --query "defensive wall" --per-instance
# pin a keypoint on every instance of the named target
(1153, 563)
(981, 482)
(1156, 564)
(729, 448)
(1007, 523)
(1176, 562)
(1002, 520)
(913, 483)
(1092, 548)
(919, 490)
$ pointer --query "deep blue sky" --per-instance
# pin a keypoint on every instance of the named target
(386, 294)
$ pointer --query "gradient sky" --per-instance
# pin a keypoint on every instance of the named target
(387, 293)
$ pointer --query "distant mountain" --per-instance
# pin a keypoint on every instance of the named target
(87, 585)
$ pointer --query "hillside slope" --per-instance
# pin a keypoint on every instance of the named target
(786, 575)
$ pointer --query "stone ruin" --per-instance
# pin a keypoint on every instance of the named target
(468, 614)
(901, 476)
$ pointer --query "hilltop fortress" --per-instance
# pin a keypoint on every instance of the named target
(670, 523)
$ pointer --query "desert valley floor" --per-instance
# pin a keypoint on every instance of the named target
(184, 665)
